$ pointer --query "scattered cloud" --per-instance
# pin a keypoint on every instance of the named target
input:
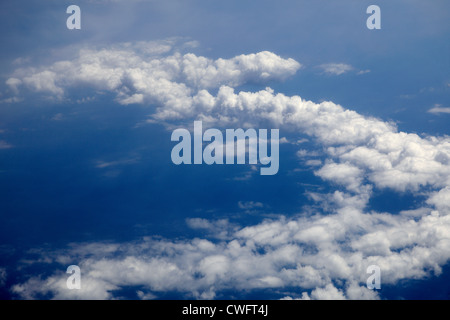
(3, 276)
(109, 164)
(248, 174)
(375, 149)
(363, 72)
(136, 74)
(57, 117)
(283, 140)
(334, 244)
(307, 253)
(336, 68)
(21, 60)
(4, 145)
(11, 100)
(438, 109)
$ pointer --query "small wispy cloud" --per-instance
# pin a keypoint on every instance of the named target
(2, 276)
(335, 68)
(247, 205)
(360, 72)
(284, 140)
(4, 145)
(57, 117)
(21, 60)
(313, 163)
(303, 153)
(437, 109)
(247, 174)
(219, 229)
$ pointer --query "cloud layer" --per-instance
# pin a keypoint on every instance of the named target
(138, 74)
(334, 244)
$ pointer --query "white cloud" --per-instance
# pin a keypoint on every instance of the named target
(145, 296)
(11, 100)
(303, 153)
(57, 117)
(404, 161)
(343, 173)
(205, 73)
(336, 68)
(330, 292)
(440, 199)
(284, 140)
(219, 229)
(313, 163)
(44, 81)
(14, 84)
(3, 276)
(438, 110)
(363, 72)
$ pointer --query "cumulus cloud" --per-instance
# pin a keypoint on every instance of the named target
(14, 84)
(246, 205)
(337, 242)
(122, 162)
(313, 163)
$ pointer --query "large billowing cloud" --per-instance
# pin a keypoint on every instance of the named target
(138, 74)
(336, 244)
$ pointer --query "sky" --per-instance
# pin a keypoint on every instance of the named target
(86, 176)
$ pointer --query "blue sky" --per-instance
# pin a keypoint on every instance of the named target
(86, 177)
